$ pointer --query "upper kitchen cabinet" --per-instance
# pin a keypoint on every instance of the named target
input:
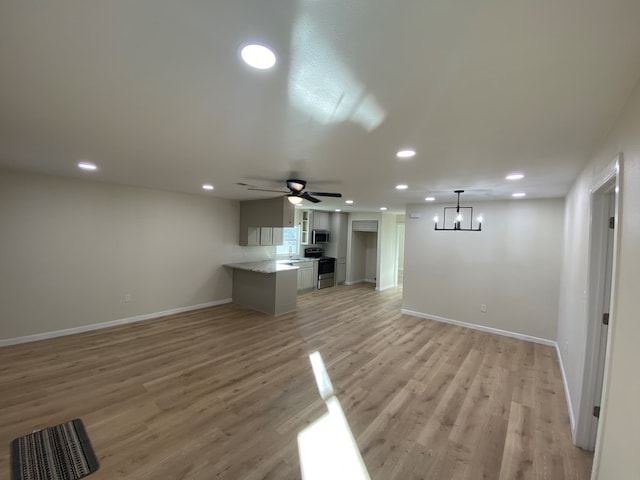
(305, 227)
(320, 220)
(365, 226)
(337, 247)
(312, 220)
(269, 212)
(338, 226)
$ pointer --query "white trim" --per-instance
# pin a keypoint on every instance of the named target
(567, 394)
(482, 328)
(112, 323)
(615, 166)
(355, 282)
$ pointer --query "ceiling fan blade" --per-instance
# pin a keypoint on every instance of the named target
(266, 190)
(306, 196)
(326, 194)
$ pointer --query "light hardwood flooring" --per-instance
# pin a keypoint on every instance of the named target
(223, 392)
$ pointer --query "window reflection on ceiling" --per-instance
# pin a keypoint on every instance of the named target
(322, 86)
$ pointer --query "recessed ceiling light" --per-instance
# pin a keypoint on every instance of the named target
(349, 202)
(408, 153)
(383, 208)
(519, 194)
(429, 199)
(338, 210)
(515, 176)
(88, 166)
(402, 186)
(207, 186)
(258, 56)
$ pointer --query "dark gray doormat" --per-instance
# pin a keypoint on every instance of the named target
(62, 452)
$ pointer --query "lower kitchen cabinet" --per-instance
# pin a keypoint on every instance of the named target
(341, 270)
(307, 275)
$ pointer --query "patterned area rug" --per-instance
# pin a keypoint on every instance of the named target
(62, 452)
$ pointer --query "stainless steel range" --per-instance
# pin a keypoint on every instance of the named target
(326, 267)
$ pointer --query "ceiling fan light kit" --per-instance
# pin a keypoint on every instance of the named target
(456, 218)
(294, 199)
(296, 185)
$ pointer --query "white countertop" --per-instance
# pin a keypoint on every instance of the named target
(265, 266)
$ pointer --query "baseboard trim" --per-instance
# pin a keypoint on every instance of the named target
(382, 289)
(482, 328)
(354, 282)
(112, 323)
(567, 395)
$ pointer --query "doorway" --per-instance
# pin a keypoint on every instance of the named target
(364, 257)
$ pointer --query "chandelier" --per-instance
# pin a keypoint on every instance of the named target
(458, 218)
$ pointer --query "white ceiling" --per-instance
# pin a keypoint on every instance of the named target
(153, 91)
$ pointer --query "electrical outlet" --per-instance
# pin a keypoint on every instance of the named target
(127, 297)
(566, 348)
(483, 308)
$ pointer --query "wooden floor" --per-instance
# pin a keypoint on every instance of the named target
(223, 392)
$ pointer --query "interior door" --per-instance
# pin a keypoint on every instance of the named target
(604, 326)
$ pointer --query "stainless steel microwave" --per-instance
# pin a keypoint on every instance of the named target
(320, 236)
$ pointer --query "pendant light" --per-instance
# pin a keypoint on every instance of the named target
(457, 215)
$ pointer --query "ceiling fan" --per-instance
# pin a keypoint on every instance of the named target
(297, 192)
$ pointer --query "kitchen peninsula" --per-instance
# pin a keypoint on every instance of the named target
(266, 286)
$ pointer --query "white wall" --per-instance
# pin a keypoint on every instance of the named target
(387, 238)
(512, 266)
(572, 316)
(617, 450)
(71, 249)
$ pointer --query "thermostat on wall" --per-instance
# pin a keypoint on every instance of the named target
(414, 214)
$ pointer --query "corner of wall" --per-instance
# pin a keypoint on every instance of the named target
(567, 394)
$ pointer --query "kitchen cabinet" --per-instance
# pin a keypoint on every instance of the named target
(277, 236)
(337, 247)
(253, 236)
(307, 275)
(305, 227)
(320, 220)
(270, 235)
(312, 220)
(365, 226)
(270, 212)
(266, 236)
(268, 287)
(341, 270)
(338, 226)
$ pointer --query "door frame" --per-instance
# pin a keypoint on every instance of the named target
(609, 178)
(400, 226)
